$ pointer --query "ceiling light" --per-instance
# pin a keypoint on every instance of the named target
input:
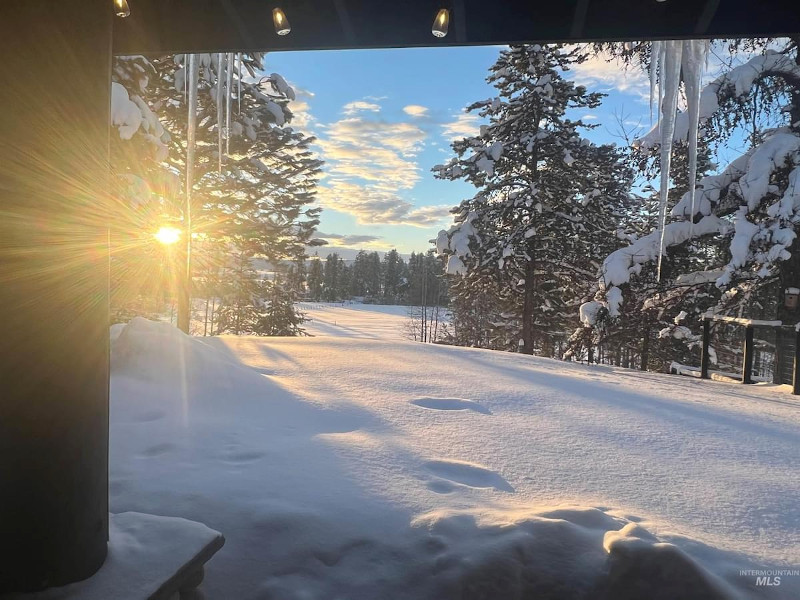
(441, 23)
(280, 21)
(121, 8)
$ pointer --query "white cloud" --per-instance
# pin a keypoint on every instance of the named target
(415, 110)
(352, 108)
(588, 117)
(465, 125)
(338, 239)
(370, 164)
(379, 153)
(374, 205)
(301, 108)
(601, 68)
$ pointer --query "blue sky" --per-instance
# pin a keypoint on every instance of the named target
(385, 117)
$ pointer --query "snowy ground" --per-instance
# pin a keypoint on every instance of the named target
(355, 465)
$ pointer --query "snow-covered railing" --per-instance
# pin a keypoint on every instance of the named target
(749, 347)
(742, 321)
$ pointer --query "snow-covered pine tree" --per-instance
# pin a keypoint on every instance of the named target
(260, 189)
(547, 197)
(278, 314)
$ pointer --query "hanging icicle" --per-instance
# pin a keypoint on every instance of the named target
(662, 58)
(220, 80)
(655, 56)
(669, 85)
(239, 81)
(695, 54)
(191, 130)
(228, 92)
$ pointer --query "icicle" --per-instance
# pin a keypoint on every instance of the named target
(220, 79)
(695, 54)
(670, 82)
(239, 81)
(662, 58)
(228, 88)
(655, 55)
(191, 129)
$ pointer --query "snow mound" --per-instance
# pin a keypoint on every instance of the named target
(561, 553)
(157, 351)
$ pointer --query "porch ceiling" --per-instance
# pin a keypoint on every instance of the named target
(158, 26)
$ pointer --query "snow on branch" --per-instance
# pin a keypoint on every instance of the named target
(621, 264)
(752, 171)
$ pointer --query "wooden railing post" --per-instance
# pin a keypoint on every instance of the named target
(747, 367)
(704, 358)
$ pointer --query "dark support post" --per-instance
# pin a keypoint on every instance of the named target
(704, 357)
(796, 370)
(747, 366)
(54, 273)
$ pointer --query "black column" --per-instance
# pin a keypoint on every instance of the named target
(54, 209)
(749, 349)
(704, 356)
(796, 363)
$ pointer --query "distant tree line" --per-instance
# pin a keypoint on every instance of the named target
(371, 279)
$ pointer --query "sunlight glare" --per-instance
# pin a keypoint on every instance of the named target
(168, 235)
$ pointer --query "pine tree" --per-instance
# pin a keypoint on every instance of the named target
(278, 314)
(334, 285)
(316, 279)
(392, 273)
(546, 196)
(255, 177)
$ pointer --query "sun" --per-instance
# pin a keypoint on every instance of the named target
(168, 235)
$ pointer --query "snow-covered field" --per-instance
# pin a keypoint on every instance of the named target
(356, 465)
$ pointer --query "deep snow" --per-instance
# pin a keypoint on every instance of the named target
(354, 464)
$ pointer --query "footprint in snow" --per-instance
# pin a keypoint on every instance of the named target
(149, 416)
(466, 474)
(440, 486)
(240, 457)
(157, 450)
(451, 404)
